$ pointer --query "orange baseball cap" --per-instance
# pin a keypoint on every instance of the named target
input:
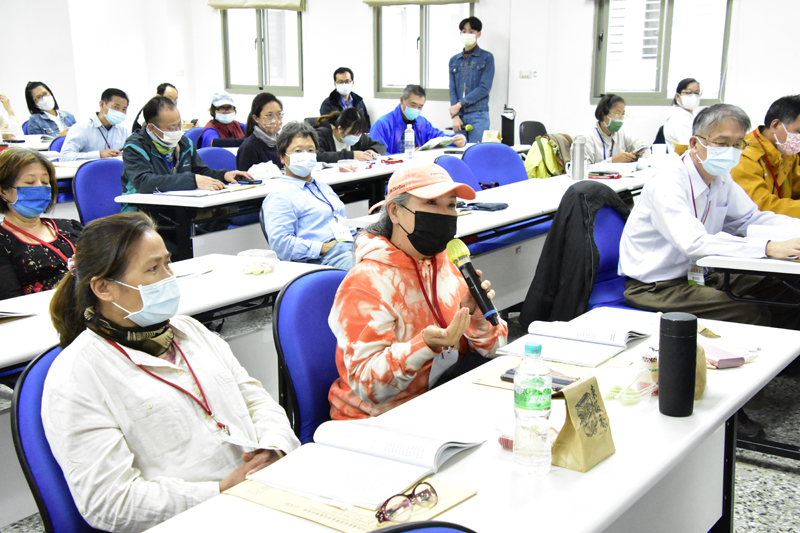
(426, 181)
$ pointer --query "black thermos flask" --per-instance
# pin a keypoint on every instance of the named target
(677, 360)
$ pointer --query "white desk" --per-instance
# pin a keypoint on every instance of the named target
(25, 338)
(34, 142)
(762, 266)
(666, 475)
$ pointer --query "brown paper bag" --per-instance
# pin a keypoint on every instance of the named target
(585, 439)
(700, 373)
(491, 137)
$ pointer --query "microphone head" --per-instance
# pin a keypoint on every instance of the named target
(468, 127)
(456, 249)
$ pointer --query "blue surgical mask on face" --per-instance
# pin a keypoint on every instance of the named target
(301, 164)
(720, 160)
(225, 118)
(160, 302)
(115, 117)
(32, 201)
(350, 140)
(411, 113)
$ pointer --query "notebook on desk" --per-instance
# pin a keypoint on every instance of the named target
(198, 193)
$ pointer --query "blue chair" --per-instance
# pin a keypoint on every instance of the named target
(608, 286)
(57, 143)
(306, 349)
(431, 526)
(495, 162)
(42, 471)
(25, 127)
(95, 186)
(218, 158)
(458, 170)
(207, 137)
(244, 127)
(194, 134)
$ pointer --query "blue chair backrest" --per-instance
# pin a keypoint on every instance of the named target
(495, 162)
(25, 127)
(609, 286)
(194, 134)
(44, 475)
(244, 127)
(207, 136)
(218, 158)
(57, 143)
(458, 170)
(306, 349)
(95, 186)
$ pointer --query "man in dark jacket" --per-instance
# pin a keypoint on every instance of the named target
(159, 157)
(343, 96)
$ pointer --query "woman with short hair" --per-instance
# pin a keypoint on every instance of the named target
(33, 250)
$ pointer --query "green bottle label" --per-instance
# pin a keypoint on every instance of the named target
(531, 395)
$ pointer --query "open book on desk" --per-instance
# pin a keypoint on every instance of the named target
(359, 463)
(588, 340)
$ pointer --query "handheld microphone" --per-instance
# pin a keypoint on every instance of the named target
(458, 253)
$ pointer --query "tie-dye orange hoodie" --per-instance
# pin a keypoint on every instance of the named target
(378, 317)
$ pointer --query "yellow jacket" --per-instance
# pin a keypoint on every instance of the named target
(755, 178)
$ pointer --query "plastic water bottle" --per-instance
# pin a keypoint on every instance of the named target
(533, 386)
(409, 141)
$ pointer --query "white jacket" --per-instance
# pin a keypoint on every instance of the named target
(136, 451)
(678, 127)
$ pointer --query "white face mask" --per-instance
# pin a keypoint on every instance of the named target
(170, 140)
(344, 88)
(225, 118)
(469, 39)
(301, 164)
(47, 103)
(690, 101)
(160, 302)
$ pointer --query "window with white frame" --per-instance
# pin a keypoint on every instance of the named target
(262, 51)
(414, 45)
(645, 47)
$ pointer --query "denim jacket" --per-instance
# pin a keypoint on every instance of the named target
(40, 123)
(471, 79)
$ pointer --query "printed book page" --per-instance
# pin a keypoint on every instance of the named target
(437, 142)
(567, 351)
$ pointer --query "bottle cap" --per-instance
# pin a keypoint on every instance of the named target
(679, 324)
(533, 348)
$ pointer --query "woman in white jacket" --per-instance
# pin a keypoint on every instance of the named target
(678, 126)
(147, 413)
(609, 141)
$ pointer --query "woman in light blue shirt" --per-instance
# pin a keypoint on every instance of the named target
(46, 117)
(303, 217)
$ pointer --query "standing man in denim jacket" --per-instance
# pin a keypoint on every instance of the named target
(471, 76)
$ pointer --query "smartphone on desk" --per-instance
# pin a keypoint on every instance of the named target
(604, 175)
(558, 382)
(244, 181)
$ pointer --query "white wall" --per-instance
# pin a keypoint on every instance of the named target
(137, 44)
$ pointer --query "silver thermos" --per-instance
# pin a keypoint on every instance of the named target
(578, 157)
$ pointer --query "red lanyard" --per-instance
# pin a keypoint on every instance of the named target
(708, 202)
(769, 167)
(437, 313)
(203, 405)
(40, 241)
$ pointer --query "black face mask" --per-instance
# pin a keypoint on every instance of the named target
(432, 231)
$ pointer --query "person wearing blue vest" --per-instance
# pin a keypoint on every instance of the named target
(389, 129)
(159, 157)
(471, 77)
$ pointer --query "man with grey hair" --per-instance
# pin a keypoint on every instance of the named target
(391, 127)
(692, 209)
(303, 217)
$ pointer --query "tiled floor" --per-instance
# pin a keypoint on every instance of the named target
(766, 486)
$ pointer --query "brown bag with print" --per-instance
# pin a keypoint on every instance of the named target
(585, 439)
(700, 373)
(491, 137)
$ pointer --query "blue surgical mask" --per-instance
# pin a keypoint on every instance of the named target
(411, 113)
(720, 160)
(160, 302)
(115, 117)
(301, 164)
(350, 140)
(32, 201)
(225, 118)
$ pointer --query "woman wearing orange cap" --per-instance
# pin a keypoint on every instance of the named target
(403, 317)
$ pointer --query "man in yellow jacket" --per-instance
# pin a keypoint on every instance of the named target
(769, 170)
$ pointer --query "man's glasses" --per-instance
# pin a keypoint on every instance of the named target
(741, 145)
(399, 508)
